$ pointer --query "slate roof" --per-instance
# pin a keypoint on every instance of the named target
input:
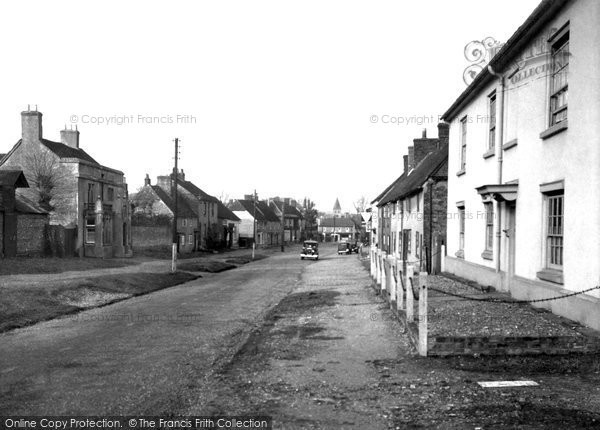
(414, 182)
(184, 209)
(388, 189)
(225, 213)
(13, 178)
(289, 209)
(66, 151)
(337, 222)
(263, 212)
(187, 185)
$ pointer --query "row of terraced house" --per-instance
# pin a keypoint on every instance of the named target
(508, 195)
(56, 199)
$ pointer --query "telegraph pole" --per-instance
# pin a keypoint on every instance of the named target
(174, 196)
(254, 224)
(282, 225)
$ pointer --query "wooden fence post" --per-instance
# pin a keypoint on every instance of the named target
(371, 262)
(383, 275)
(443, 258)
(410, 271)
(378, 267)
(392, 282)
(423, 284)
(399, 290)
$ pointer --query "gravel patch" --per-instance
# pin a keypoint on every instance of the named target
(453, 316)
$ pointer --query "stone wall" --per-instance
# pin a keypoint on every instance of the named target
(31, 234)
(151, 236)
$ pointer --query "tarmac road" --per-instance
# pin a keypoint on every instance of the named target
(144, 355)
(306, 342)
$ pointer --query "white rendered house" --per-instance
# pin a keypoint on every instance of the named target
(524, 164)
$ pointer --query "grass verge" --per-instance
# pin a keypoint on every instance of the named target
(210, 266)
(41, 265)
(23, 306)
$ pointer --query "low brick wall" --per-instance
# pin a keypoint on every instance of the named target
(511, 345)
(444, 346)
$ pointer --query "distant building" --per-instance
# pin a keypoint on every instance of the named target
(334, 229)
(412, 210)
(153, 214)
(293, 217)
(91, 201)
(337, 209)
(199, 221)
(260, 217)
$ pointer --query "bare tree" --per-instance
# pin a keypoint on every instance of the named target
(361, 204)
(224, 197)
(49, 181)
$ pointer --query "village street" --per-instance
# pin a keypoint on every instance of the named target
(306, 342)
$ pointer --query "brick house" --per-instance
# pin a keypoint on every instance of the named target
(524, 179)
(22, 222)
(153, 216)
(91, 200)
(413, 209)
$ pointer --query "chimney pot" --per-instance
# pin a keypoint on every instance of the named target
(70, 138)
(443, 133)
(424, 133)
(31, 126)
(147, 180)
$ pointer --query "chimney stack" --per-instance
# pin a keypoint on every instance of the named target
(411, 157)
(70, 137)
(165, 182)
(423, 147)
(443, 133)
(405, 157)
(31, 125)
(147, 180)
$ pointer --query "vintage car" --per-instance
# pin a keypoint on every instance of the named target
(344, 248)
(310, 249)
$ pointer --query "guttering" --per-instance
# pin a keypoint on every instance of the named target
(498, 150)
(542, 14)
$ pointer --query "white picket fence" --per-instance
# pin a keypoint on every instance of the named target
(397, 287)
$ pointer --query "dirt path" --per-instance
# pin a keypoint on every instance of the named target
(312, 364)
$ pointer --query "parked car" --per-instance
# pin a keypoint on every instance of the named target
(355, 247)
(344, 248)
(310, 249)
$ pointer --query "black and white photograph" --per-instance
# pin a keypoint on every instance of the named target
(300, 215)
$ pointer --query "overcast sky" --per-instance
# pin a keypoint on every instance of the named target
(273, 95)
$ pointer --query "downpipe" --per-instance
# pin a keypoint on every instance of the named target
(499, 157)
